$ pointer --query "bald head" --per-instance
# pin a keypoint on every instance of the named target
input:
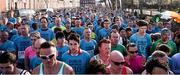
(116, 56)
(38, 43)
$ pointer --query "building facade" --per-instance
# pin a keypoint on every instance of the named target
(2, 5)
(87, 3)
(37, 4)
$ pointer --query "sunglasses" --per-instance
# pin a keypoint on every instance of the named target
(47, 57)
(118, 63)
(132, 52)
(106, 23)
(33, 39)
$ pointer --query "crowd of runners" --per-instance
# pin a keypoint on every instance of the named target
(88, 41)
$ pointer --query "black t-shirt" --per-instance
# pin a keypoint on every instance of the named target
(67, 33)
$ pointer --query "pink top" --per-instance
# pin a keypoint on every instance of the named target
(29, 53)
(136, 64)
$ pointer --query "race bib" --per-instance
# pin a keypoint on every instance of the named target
(20, 54)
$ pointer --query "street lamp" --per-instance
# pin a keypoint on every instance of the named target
(116, 5)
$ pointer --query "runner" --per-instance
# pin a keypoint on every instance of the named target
(141, 38)
(50, 65)
(30, 51)
(133, 60)
(87, 43)
(22, 42)
(8, 65)
(46, 32)
(76, 57)
(104, 48)
(115, 37)
(117, 64)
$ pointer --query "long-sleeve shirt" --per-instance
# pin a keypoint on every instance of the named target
(170, 43)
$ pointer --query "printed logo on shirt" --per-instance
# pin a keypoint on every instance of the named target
(76, 65)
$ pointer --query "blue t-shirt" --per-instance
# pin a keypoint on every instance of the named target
(21, 44)
(12, 19)
(152, 30)
(88, 46)
(83, 20)
(142, 42)
(37, 21)
(124, 24)
(78, 62)
(61, 51)
(47, 34)
(12, 33)
(2, 27)
(8, 46)
(157, 29)
(34, 62)
(104, 33)
(30, 22)
(97, 29)
(95, 24)
(50, 25)
(78, 30)
(63, 21)
(14, 37)
(134, 30)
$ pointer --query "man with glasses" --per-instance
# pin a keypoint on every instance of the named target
(105, 31)
(50, 65)
(117, 62)
(133, 60)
